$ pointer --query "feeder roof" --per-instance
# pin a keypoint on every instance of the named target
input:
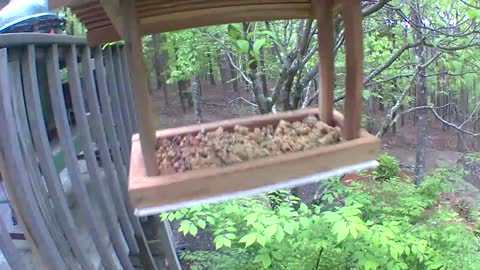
(168, 15)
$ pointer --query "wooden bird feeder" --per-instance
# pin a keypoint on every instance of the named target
(111, 20)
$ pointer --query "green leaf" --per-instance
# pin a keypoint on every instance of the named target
(257, 45)
(280, 234)
(193, 230)
(340, 229)
(251, 218)
(201, 223)
(305, 222)
(394, 252)
(243, 45)
(353, 232)
(435, 265)
(342, 235)
(271, 230)
(264, 259)
(230, 236)
(457, 65)
(184, 227)
(219, 242)
(366, 94)
(473, 13)
(277, 255)
(303, 208)
(371, 265)
(249, 239)
(270, 220)
(210, 220)
(288, 228)
(261, 240)
(227, 242)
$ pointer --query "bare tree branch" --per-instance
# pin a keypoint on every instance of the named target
(433, 110)
(388, 123)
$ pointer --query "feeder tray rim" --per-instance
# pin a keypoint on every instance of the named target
(168, 192)
(155, 210)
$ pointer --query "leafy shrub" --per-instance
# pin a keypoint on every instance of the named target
(374, 225)
(388, 168)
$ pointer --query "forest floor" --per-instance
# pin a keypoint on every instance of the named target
(440, 148)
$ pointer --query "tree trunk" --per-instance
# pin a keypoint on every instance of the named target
(421, 98)
(183, 93)
(197, 98)
(211, 71)
(224, 73)
(234, 79)
(263, 75)
(160, 60)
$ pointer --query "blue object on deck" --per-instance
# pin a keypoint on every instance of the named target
(29, 16)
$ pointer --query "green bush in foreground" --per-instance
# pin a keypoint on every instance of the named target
(373, 225)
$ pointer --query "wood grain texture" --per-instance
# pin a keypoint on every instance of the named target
(39, 189)
(170, 15)
(44, 154)
(100, 193)
(39, 39)
(352, 20)
(139, 80)
(323, 11)
(79, 189)
(116, 107)
(113, 175)
(203, 183)
(122, 95)
(15, 180)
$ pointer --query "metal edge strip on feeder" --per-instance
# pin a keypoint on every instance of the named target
(147, 211)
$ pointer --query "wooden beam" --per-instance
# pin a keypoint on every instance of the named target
(352, 20)
(176, 20)
(323, 12)
(102, 35)
(139, 80)
(115, 13)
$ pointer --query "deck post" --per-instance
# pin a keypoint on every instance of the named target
(352, 20)
(139, 80)
(323, 12)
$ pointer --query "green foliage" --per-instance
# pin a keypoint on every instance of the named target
(388, 168)
(373, 225)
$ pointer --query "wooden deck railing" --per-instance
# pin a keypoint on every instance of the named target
(102, 105)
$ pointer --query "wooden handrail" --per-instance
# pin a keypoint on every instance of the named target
(39, 39)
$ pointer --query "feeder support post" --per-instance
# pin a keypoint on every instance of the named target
(323, 12)
(352, 21)
(123, 15)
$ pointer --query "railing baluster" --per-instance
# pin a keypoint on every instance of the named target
(44, 151)
(128, 90)
(10, 166)
(10, 252)
(122, 94)
(66, 141)
(102, 196)
(39, 189)
(108, 119)
(117, 116)
(112, 176)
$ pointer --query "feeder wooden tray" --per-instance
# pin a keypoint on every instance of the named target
(167, 192)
